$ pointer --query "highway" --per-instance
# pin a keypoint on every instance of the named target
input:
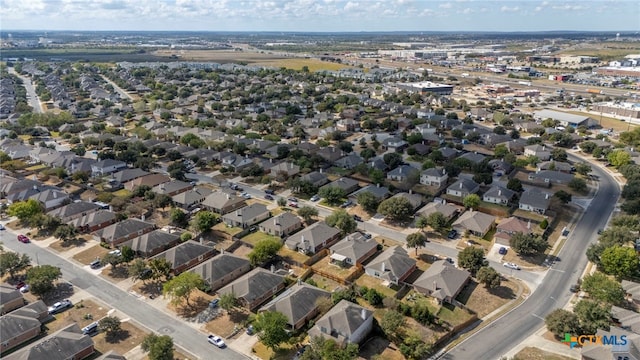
(500, 336)
(153, 319)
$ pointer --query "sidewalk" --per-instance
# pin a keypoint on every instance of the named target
(537, 340)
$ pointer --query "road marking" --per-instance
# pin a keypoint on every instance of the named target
(539, 317)
(552, 269)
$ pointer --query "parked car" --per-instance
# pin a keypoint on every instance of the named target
(214, 303)
(269, 192)
(511, 266)
(452, 234)
(268, 197)
(95, 264)
(292, 199)
(115, 252)
(20, 284)
(366, 235)
(250, 330)
(2, 227)
(216, 340)
(60, 306)
(574, 288)
(600, 231)
(246, 195)
(25, 288)
(253, 228)
(23, 239)
(357, 218)
(293, 204)
(90, 329)
(502, 251)
(315, 198)
(346, 204)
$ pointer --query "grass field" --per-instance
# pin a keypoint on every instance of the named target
(608, 122)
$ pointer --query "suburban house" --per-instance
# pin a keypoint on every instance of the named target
(281, 225)
(124, 230)
(402, 173)
(550, 177)
(10, 299)
(442, 281)
(632, 291)
(106, 167)
(542, 152)
(316, 178)
(448, 210)
(353, 249)
(477, 223)
(508, 227)
(379, 192)
(223, 203)
(222, 269)
(150, 180)
(394, 144)
(498, 195)
(463, 187)
(626, 319)
(247, 216)
(535, 200)
(171, 188)
(313, 238)
(255, 287)
(393, 266)
(599, 351)
(473, 157)
(16, 329)
(556, 165)
(190, 199)
(186, 255)
(349, 162)
(434, 177)
(36, 309)
(500, 167)
(93, 221)
(298, 303)
(288, 168)
(66, 343)
(152, 243)
(128, 175)
(414, 199)
(347, 184)
(51, 198)
(74, 210)
(345, 323)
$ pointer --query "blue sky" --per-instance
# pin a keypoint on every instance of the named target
(320, 15)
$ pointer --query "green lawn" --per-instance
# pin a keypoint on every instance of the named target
(374, 283)
(229, 230)
(453, 314)
(123, 193)
(258, 236)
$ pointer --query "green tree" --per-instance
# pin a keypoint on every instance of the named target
(159, 347)
(204, 221)
(373, 297)
(630, 221)
(392, 159)
(619, 158)
(396, 209)
(528, 244)
(342, 220)
(416, 240)
(420, 312)
(127, 254)
(368, 201)
(264, 251)
(593, 316)
(489, 277)
(41, 278)
(25, 210)
(270, 326)
(437, 221)
(578, 184)
(421, 222)
(472, 259)
(160, 268)
(561, 321)
(228, 301)
(617, 236)
(321, 348)
(413, 347)
(110, 325)
(138, 270)
(179, 218)
(180, 287)
(393, 324)
(112, 259)
(333, 195)
(619, 261)
(602, 288)
(471, 201)
(308, 213)
(12, 263)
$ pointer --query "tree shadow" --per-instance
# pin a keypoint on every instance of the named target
(194, 307)
(238, 316)
(119, 272)
(114, 338)
(503, 292)
(153, 288)
(77, 242)
(466, 292)
(60, 291)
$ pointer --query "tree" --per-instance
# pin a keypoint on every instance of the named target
(308, 213)
(348, 294)
(112, 259)
(472, 259)
(421, 313)
(159, 347)
(179, 218)
(65, 232)
(110, 325)
(471, 201)
(12, 263)
(396, 209)
(421, 222)
(368, 201)
(180, 287)
(578, 184)
(160, 268)
(342, 220)
(561, 321)
(619, 158)
(127, 254)
(563, 196)
(228, 301)
(41, 278)
(393, 160)
(25, 210)
(393, 324)
(138, 270)
(204, 221)
(489, 277)
(415, 348)
(332, 194)
(592, 315)
(558, 154)
(602, 288)
(619, 261)
(264, 251)
(617, 235)
(437, 221)
(321, 348)
(630, 221)
(270, 326)
(528, 244)
(416, 240)
(373, 297)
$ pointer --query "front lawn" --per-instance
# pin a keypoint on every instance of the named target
(258, 236)
(484, 301)
(91, 254)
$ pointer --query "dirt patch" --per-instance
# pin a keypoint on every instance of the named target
(483, 301)
(160, 217)
(83, 313)
(149, 289)
(325, 266)
(129, 337)
(116, 274)
(325, 283)
(225, 324)
(242, 251)
(381, 348)
(198, 301)
(532, 353)
(61, 246)
(358, 210)
(91, 254)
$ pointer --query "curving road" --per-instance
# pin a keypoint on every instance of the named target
(500, 336)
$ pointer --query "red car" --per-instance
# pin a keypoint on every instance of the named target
(23, 239)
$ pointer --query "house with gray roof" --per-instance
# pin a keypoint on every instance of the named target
(632, 291)
(500, 167)
(345, 323)
(223, 203)
(221, 269)
(107, 166)
(349, 185)
(10, 299)
(542, 152)
(186, 255)
(128, 175)
(626, 319)
(16, 329)
(317, 178)
(600, 351)
(442, 281)
(247, 216)
(313, 238)
(448, 210)
(152, 243)
(281, 225)
(93, 221)
(353, 249)
(402, 173)
(498, 195)
(298, 303)
(550, 177)
(66, 343)
(434, 177)
(565, 119)
(191, 198)
(172, 188)
(414, 199)
(288, 168)
(74, 210)
(349, 161)
(463, 187)
(477, 223)
(255, 287)
(555, 165)
(379, 192)
(37, 309)
(51, 198)
(473, 157)
(394, 143)
(393, 266)
(124, 230)
(448, 153)
(535, 200)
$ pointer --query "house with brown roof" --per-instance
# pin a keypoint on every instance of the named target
(313, 238)
(298, 303)
(255, 287)
(222, 269)
(223, 203)
(66, 343)
(510, 226)
(345, 323)
(74, 210)
(353, 249)
(393, 266)
(447, 209)
(152, 243)
(186, 255)
(281, 225)
(477, 223)
(172, 188)
(443, 281)
(150, 180)
(124, 230)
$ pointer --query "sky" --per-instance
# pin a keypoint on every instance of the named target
(321, 15)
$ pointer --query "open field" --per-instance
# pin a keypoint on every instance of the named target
(608, 122)
(484, 301)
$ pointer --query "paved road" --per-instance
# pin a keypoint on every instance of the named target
(136, 309)
(497, 339)
(32, 97)
(118, 89)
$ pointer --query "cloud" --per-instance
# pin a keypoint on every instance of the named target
(445, 6)
(468, 11)
(507, 9)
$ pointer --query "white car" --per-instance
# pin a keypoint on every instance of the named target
(115, 252)
(216, 340)
(511, 266)
(2, 227)
(25, 289)
(59, 306)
